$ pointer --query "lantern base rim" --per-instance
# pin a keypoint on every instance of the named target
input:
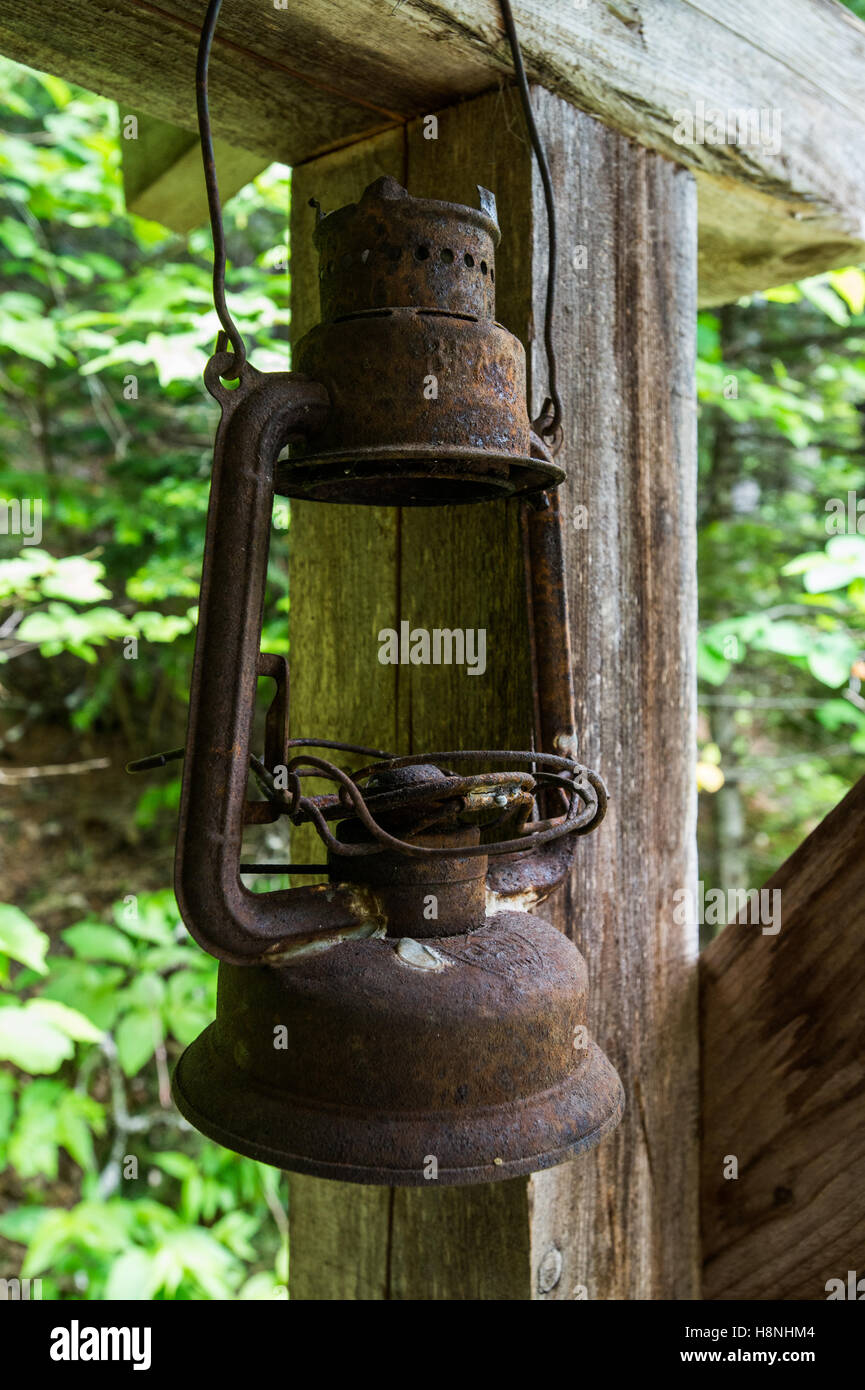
(408, 475)
(296, 1135)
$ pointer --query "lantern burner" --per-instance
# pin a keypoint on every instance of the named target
(387, 805)
(427, 391)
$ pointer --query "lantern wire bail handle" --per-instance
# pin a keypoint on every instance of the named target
(549, 422)
(230, 331)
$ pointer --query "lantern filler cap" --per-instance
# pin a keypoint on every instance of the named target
(427, 391)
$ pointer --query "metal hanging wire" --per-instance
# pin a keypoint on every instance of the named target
(550, 420)
(229, 327)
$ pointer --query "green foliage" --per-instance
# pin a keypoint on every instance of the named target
(106, 322)
(20, 940)
(142, 991)
(782, 566)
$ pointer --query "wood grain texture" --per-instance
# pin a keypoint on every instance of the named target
(343, 575)
(294, 83)
(624, 1219)
(461, 1244)
(355, 570)
(461, 567)
(783, 1079)
(162, 173)
(338, 1241)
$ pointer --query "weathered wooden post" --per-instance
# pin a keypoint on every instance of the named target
(620, 1222)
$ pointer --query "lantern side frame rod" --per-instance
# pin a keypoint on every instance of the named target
(226, 918)
(542, 870)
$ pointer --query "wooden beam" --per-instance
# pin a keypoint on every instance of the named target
(291, 83)
(621, 1222)
(783, 1045)
(624, 1221)
(162, 177)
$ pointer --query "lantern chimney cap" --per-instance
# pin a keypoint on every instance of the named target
(387, 190)
(390, 250)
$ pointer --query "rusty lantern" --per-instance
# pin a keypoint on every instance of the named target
(427, 392)
(408, 1019)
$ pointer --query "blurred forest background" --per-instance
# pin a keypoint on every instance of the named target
(105, 326)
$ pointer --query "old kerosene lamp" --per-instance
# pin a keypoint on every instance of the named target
(357, 1036)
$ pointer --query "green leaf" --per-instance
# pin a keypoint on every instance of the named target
(711, 667)
(147, 990)
(21, 939)
(825, 577)
(803, 563)
(7, 1105)
(32, 1043)
(59, 626)
(161, 627)
(35, 335)
(166, 958)
(93, 941)
(189, 1009)
(848, 550)
(66, 1019)
(237, 1231)
(77, 578)
(262, 1287)
(137, 1035)
(783, 294)
(176, 1165)
(33, 1147)
(92, 989)
(821, 293)
(20, 1223)
(831, 658)
(49, 1246)
(132, 1277)
(850, 284)
(151, 916)
(18, 239)
(836, 713)
(786, 638)
(78, 1117)
(194, 1251)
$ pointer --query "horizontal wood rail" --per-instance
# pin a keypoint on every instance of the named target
(677, 76)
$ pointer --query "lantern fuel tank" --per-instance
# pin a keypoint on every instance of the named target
(451, 1047)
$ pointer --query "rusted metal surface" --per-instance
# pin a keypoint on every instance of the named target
(470, 1050)
(421, 1020)
(427, 391)
(534, 876)
(429, 897)
(421, 1031)
(417, 1027)
(225, 917)
(389, 250)
(442, 797)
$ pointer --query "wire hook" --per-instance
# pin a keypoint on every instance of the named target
(549, 422)
(211, 184)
